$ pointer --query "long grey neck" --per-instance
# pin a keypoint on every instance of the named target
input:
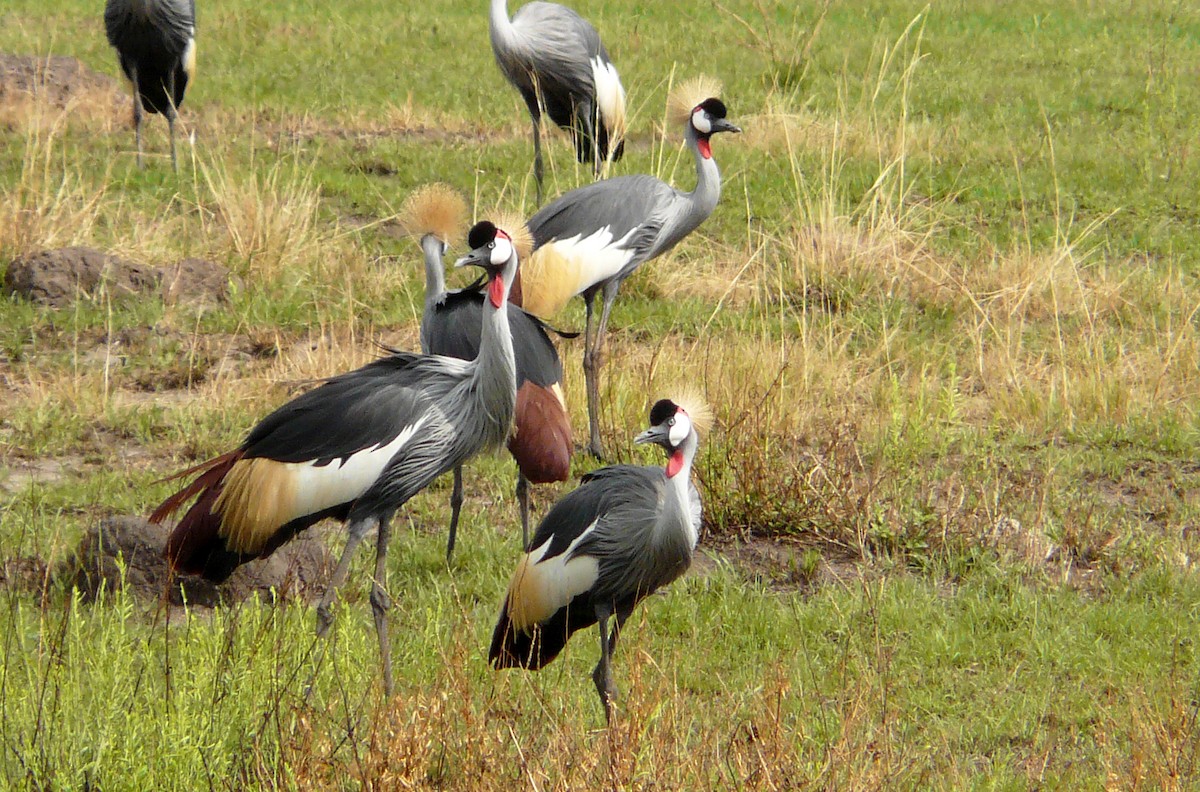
(692, 209)
(435, 284)
(704, 198)
(494, 380)
(676, 512)
(500, 27)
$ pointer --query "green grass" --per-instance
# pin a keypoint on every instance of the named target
(945, 313)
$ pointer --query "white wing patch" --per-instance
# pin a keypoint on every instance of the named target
(562, 268)
(539, 588)
(598, 256)
(610, 98)
(319, 488)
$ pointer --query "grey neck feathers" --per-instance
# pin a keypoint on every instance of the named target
(435, 284)
(494, 381)
(689, 210)
(704, 198)
(676, 511)
(435, 272)
(500, 27)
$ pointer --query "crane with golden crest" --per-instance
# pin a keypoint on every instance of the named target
(625, 532)
(589, 240)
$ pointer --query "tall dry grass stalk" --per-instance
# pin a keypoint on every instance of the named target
(51, 204)
(268, 218)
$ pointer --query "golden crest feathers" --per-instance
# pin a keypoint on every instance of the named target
(435, 209)
(689, 93)
(697, 409)
(513, 224)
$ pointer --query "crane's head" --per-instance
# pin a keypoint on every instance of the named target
(708, 118)
(495, 250)
(673, 427)
(695, 103)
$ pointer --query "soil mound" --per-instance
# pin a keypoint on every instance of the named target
(296, 571)
(58, 277)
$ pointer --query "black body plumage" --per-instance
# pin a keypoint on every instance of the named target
(455, 332)
(616, 508)
(152, 38)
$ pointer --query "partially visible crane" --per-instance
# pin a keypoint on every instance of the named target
(624, 533)
(555, 58)
(156, 44)
(589, 240)
(450, 325)
(356, 448)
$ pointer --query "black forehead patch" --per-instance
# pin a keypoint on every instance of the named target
(714, 107)
(481, 233)
(662, 410)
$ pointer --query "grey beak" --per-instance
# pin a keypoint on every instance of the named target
(654, 434)
(476, 258)
(721, 125)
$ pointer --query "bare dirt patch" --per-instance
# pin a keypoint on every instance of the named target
(783, 566)
(59, 82)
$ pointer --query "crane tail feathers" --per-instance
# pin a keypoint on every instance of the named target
(211, 472)
(541, 442)
(516, 648)
(195, 545)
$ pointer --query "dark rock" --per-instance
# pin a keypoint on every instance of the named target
(298, 570)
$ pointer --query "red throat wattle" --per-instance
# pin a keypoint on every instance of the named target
(705, 147)
(496, 291)
(675, 464)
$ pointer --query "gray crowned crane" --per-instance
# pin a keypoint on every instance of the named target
(591, 239)
(355, 448)
(555, 58)
(624, 533)
(156, 44)
(541, 441)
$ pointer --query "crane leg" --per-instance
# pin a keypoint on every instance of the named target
(537, 157)
(358, 530)
(381, 603)
(171, 115)
(139, 114)
(523, 500)
(589, 374)
(456, 499)
(601, 674)
(593, 359)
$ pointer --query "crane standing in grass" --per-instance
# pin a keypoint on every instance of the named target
(589, 240)
(357, 448)
(555, 58)
(624, 533)
(450, 325)
(156, 43)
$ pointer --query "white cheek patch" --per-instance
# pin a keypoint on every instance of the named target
(681, 429)
(701, 122)
(502, 251)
